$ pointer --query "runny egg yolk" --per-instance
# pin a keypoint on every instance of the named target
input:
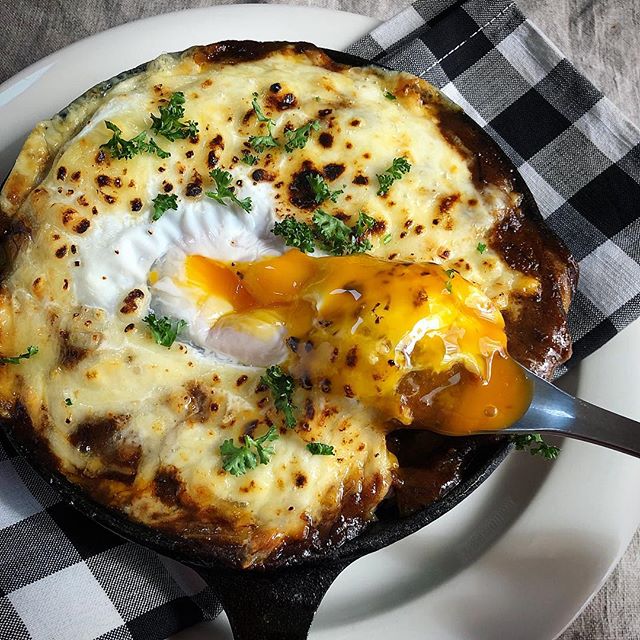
(420, 344)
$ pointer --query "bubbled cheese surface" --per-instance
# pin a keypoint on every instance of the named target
(143, 424)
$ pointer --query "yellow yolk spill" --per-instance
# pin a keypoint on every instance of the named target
(422, 345)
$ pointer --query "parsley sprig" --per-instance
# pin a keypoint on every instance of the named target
(328, 233)
(164, 330)
(281, 386)
(31, 351)
(162, 203)
(122, 149)
(238, 460)
(481, 248)
(536, 445)
(249, 159)
(258, 110)
(298, 138)
(451, 274)
(398, 168)
(224, 190)
(321, 449)
(339, 239)
(320, 188)
(260, 143)
(168, 124)
(296, 234)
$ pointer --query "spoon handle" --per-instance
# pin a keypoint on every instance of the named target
(554, 411)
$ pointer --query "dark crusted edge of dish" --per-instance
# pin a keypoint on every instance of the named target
(376, 535)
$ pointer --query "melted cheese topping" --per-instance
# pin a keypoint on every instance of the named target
(143, 426)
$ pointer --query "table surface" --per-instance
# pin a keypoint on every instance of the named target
(602, 39)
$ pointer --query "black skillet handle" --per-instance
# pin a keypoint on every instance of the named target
(272, 605)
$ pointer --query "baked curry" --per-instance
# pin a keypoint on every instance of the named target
(232, 278)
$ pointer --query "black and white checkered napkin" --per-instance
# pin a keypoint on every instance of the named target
(62, 577)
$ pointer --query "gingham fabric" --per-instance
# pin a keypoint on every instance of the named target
(62, 577)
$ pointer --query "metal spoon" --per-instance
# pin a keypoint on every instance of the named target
(556, 412)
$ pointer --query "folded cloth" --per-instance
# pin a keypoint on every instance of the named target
(62, 577)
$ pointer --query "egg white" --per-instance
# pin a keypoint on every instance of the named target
(124, 249)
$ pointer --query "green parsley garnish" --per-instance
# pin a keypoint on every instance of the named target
(31, 351)
(281, 386)
(68, 402)
(321, 191)
(164, 330)
(224, 190)
(389, 96)
(339, 239)
(320, 449)
(152, 147)
(120, 149)
(238, 460)
(168, 123)
(247, 158)
(258, 110)
(326, 232)
(298, 138)
(260, 143)
(386, 239)
(450, 274)
(163, 202)
(536, 445)
(398, 167)
(296, 234)
(481, 248)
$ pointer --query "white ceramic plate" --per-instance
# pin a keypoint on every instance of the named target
(518, 559)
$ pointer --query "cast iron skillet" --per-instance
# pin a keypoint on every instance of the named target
(280, 603)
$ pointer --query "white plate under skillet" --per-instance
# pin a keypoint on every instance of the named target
(522, 555)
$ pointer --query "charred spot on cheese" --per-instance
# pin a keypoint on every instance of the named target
(136, 204)
(130, 302)
(301, 193)
(325, 139)
(281, 101)
(82, 226)
(194, 187)
(333, 170)
(216, 147)
(262, 175)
